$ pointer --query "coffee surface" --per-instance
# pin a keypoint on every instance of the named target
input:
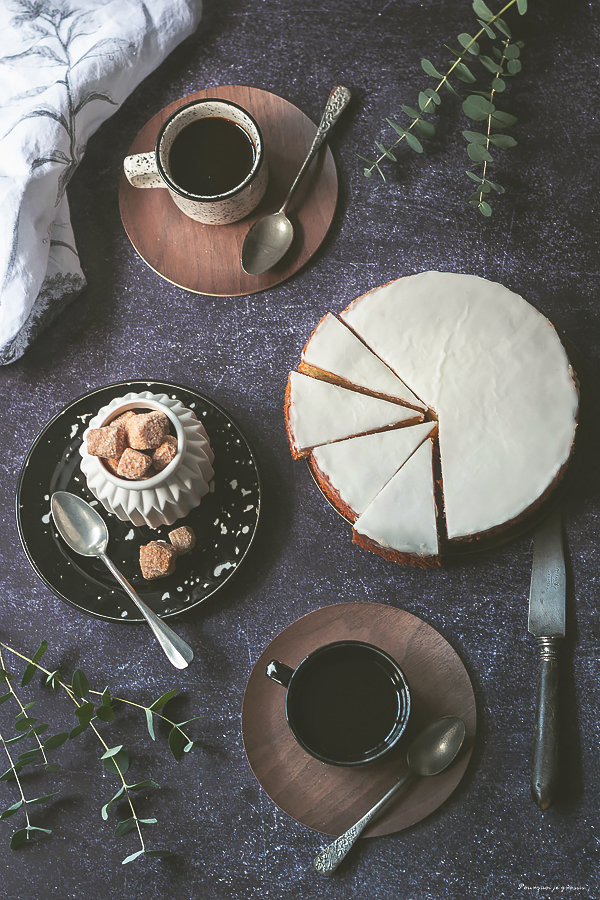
(211, 156)
(345, 704)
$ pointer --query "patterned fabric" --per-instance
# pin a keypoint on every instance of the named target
(65, 67)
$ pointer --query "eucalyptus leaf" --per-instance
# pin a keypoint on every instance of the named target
(28, 674)
(410, 112)
(468, 43)
(384, 151)
(112, 752)
(503, 140)
(490, 65)
(487, 28)
(150, 721)
(499, 85)
(133, 856)
(477, 108)
(56, 740)
(52, 767)
(85, 712)
(367, 172)
(424, 129)
(414, 143)
(475, 137)
(79, 729)
(478, 153)
(29, 755)
(522, 6)
(177, 741)
(451, 89)
(142, 784)
(187, 721)
(473, 176)
(125, 826)
(463, 73)
(11, 810)
(433, 95)
(80, 684)
(164, 698)
(23, 723)
(105, 713)
(514, 66)
(495, 187)
(106, 698)
(482, 11)
(53, 680)
(503, 119)
(5, 697)
(106, 807)
(147, 821)
(40, 651)
(512, 52)
(430, 69)
(118, 764)
(18, 838)
(43, 799)
(397, 128)
(503, 27)
(10, 773)
(5, 676)
(485, 209)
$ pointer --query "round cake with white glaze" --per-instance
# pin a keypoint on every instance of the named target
(490, 412)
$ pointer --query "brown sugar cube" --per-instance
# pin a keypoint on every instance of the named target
(183, 539)
(112, 465)
(146, 431)
(164, 454)
(123, 418)
(133, 465)
(157, 559)
(107, 442)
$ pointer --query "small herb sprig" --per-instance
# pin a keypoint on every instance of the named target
(478, 105)
(89, 713)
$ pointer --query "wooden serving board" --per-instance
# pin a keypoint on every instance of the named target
(331, 798)
(206, 258)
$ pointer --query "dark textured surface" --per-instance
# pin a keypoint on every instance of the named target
(489, 839)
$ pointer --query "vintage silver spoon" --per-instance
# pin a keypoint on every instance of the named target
(270, 237)
(85, 532)
(430, 753)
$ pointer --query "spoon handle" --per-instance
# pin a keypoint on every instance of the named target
(176, 649)
(337, 102)
(329, 859)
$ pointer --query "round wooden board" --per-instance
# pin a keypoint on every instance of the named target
(206, 258)
(330, 798)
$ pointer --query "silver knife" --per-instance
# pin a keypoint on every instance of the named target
(547, 625)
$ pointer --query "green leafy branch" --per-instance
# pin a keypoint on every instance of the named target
(114, 759)
(429, 99)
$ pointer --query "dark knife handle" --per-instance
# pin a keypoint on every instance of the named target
(544, 771)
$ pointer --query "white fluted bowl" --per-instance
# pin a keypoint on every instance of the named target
(167, 496)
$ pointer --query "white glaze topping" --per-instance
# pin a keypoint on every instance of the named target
(320, 412)
(359, 467)
(498, 377)
(402, 516)
(335, 349)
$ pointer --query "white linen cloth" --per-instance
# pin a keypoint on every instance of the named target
(65, 67)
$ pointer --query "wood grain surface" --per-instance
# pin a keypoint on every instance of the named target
(205, 259)
(329, 798)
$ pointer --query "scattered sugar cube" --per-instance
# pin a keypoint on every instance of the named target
(133, 464)
(108, 441)
(157, 559)
(183, 539)
(164, 454)
(147, 430)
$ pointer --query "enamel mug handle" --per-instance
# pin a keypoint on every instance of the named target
(279, 672)
(141, 170)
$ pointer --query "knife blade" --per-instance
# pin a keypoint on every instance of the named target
(546, 623)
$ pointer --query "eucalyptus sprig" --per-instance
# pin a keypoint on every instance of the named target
(89, 713)
(477, 105)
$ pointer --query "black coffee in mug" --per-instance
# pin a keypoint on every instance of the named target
(347, 703)
(211, 156)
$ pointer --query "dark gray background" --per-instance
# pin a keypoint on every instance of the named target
(489, 839)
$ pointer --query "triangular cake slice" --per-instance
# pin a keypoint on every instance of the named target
(352, 472)
(400, 523)
(334, 353)
(318, 412)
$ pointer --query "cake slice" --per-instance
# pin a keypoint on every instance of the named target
(334, 353)
(352, 472)
(318, 412)
(400, 523)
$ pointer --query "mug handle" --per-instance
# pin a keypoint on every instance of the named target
(141, 171)
(279, 672)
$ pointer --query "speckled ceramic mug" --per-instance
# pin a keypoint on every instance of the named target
(153, 170)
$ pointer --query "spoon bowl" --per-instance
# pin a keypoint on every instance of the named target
(85, 531)
(432, 751)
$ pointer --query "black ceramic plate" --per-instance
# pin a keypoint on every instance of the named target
(224, 523)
